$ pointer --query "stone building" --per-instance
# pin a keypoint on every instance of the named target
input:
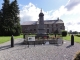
(50, 26)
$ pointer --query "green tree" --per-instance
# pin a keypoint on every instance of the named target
(64, 33)
(5, 16)
(0, 22)
(14, 9)
(9, 19)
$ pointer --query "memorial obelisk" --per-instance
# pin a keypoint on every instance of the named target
(41, 31)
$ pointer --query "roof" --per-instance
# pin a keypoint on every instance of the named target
(29, 23)
(45, 22)
(59, 21)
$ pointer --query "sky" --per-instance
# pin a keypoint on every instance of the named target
(66, 10)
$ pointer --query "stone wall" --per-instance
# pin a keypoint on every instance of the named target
(50, 27)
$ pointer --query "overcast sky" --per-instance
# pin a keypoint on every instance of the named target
(67, 10)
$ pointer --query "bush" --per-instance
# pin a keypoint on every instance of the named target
(21, 33)
(77, 57)
(50, 33)
(59, 34)
(64, 33)
(77, 35)
(75, 32)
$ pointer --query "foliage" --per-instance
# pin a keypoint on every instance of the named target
(4, 13)
(4, 39)
(64, 33)
(9, 19)
(70, 32)
(77, 57)
(68, 37)
(75, 32)
(50, 33)
(77, 35)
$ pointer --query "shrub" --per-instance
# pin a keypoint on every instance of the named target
(30, 33)
(59, 34)
(75, 32)
(77, 35)
(51, 34)
(64, 33)
(77, 57)
(21, 33)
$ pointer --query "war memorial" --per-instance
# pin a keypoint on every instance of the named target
(40, 46)
(42, 37)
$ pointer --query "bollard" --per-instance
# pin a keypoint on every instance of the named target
(12, 41)
(72, 40)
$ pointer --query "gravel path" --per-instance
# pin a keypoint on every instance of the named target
(39, 52)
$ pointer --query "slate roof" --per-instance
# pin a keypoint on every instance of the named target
(29, 23)
(45, 22)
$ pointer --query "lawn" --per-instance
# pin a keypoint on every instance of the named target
(76, 39)
(68, 37)
(8, 38)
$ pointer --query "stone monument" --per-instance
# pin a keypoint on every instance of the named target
(41, 31)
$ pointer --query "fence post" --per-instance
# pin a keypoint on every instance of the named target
(72, 40)
(12, 41)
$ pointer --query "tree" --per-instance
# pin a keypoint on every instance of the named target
(70, 32)
(0, 22)
(75, 32)
(15, 12)
(5, 15)
(64, 33)
(9, 19)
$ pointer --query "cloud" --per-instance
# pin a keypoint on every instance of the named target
(70, 17)
(21, 5)
(69, 23)
(29, 12)
(73, 27)
(78, 23)
(71, 4)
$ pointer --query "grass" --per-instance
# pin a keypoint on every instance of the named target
(76, 39)
(8, 38)
(4, 39)
(68, 37)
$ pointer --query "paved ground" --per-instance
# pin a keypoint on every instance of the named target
(39, 52)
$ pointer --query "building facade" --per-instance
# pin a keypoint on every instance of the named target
(50, 26)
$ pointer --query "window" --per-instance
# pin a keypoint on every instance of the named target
(60, 27)
(52, 25)
(34, 29)
(30, 29)
(47, 25)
